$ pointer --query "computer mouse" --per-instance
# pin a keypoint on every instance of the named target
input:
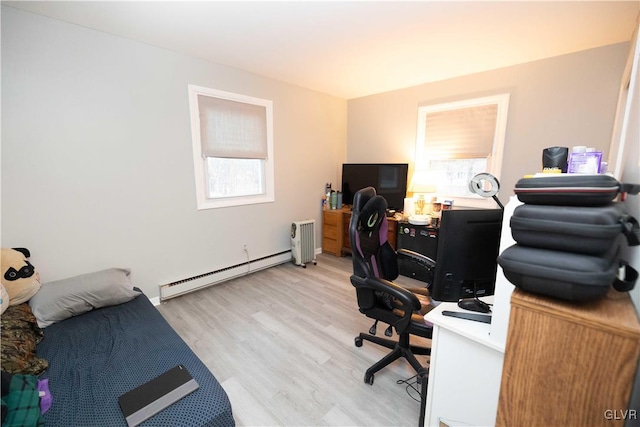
(474, 304)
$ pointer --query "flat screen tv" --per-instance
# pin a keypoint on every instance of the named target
(389, 180)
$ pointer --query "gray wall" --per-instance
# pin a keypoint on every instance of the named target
(97, 166)
(567, 100)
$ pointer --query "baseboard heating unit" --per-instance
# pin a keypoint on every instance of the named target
(195, 283)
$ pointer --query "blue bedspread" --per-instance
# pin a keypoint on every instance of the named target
(96, 357)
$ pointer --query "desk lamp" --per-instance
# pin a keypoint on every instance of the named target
(422, 183)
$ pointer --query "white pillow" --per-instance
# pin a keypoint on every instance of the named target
(59, 300)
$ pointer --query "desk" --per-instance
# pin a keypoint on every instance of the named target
(467, 357)
(465, 370)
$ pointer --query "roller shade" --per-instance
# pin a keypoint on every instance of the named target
(462, 133)
(232, 129)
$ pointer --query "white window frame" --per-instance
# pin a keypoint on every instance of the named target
(200, 161)
(494, 161)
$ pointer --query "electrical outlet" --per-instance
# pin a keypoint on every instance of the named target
(244, 248)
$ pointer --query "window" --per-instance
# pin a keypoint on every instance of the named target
(460, 139)
(232, 139)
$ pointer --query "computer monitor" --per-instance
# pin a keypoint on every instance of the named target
(389, 180)
(466, 257)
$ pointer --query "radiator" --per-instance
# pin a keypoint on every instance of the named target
(303, 242)
(201, 281)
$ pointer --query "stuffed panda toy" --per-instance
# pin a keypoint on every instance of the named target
(20, 280)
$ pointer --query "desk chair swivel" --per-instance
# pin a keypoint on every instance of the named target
(375, 265)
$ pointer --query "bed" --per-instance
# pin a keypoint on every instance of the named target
(97, 356)
(92, 338)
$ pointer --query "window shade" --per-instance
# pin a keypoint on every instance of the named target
(463, 133)
(232, 129)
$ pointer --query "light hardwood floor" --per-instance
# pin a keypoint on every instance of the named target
(281, 343)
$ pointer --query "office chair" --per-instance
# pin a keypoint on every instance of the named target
(375, 266)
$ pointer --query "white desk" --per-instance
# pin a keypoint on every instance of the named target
(465, 371)
(467, 357)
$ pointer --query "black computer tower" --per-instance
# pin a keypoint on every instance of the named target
(422, 239)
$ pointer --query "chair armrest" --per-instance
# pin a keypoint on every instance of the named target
(412, 256)
(408, 302)
(403, 295)
(405, 302)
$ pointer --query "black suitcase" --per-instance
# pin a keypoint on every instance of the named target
(586, 230)
(572, 190)
(565, 275)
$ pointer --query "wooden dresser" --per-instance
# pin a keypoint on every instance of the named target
(569, 364)
(335, 231)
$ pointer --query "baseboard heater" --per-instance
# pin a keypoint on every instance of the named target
(195, 283)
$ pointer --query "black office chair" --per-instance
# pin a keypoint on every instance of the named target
(375, 265)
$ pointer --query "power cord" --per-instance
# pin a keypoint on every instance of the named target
(411, 384)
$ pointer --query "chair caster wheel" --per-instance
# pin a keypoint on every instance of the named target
(358, 341)
(368, 378)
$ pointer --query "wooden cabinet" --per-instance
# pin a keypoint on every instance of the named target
(569, 364)
(335, 231)
(332, 231)
(346, 240)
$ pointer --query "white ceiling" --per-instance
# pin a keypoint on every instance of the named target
(356, 48)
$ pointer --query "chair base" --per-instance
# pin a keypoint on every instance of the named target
(400, 348)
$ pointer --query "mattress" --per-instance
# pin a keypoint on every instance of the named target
(96, 357)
